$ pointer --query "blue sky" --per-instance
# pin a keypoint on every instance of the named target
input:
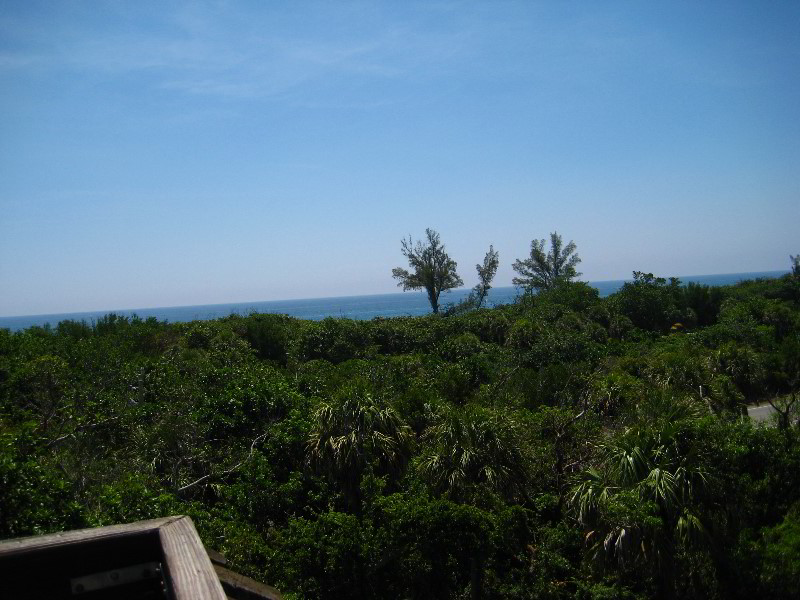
(169, 153)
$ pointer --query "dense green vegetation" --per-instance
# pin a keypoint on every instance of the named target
(566, 446)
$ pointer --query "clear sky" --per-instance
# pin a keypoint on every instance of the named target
(168, 153)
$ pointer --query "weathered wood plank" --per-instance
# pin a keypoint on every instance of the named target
(189, 569)
(216, 557)
(243, 588)
(41, 542)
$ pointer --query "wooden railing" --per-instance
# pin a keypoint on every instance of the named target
(164, 557)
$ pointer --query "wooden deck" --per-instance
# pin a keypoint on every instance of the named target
(161, 558)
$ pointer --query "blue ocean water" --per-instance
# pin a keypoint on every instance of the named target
(352, 307)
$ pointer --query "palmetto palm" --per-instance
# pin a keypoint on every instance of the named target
(472, 449)
(646, 494)
(354, 431)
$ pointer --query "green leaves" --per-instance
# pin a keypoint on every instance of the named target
(431, 268)
(650, 302)
(486, 273)
(355, 431)
(474, 449)
(500, 449)
(648, 494)
(543, 271)
(780, 556)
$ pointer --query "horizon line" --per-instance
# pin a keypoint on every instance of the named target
(133, 310)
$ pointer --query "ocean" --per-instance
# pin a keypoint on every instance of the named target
(351, 307)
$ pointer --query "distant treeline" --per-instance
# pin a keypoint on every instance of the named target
(565, 446)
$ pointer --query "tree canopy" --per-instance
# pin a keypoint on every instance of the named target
(566, 446)
(431, 268)
(543, 271)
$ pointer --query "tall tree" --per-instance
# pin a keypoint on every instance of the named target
(431, 268)
(544, 271)
(486, 273)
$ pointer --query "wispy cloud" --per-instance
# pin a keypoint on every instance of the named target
(12, 60)
(233, 54)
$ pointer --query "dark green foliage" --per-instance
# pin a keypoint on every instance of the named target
(401, 335)
(650, 496)
(780, 557)
(34, 498)
(575, 295)
(551, 333)
(354, 433)
(269, 335)
(326, 557)
(468, 452)
(436, 548)
(650, 302)
(335, 340)
(74, 329)
(704, 301)
(565, 446)
(491, 326)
